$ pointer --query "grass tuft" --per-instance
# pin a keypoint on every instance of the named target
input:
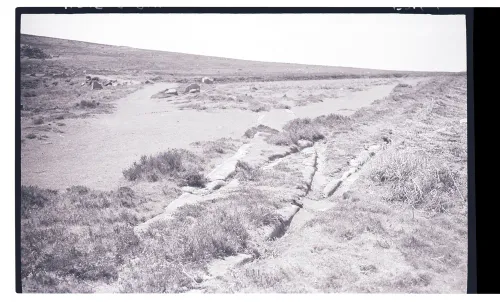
(179, 164)
(87, 243)
(417, 180)
(88, 104)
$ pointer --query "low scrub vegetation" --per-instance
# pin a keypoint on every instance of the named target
(295, 130)
(256, 106)
(250, 133)
(88, 104)
(307, 129)
(247, 172)
(418, 181)
(31, 52)
(174, 253)
(74, 238)
(176, 164)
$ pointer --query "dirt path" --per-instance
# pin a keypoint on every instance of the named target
(94, 151)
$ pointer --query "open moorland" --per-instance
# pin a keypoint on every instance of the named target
(137, 176)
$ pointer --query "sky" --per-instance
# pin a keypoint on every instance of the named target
(378, 41)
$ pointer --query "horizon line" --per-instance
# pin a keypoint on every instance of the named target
(249, 60)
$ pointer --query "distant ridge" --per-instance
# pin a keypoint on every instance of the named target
(107, 59)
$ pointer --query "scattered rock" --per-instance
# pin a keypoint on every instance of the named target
(253, 88)
(207, 80)
(83, 84)
(95, 85)
(171, 91)
(194, 90)
(149, 82)
(191, 87)
(386, 139)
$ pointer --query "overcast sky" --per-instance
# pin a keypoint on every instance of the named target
(379, 41)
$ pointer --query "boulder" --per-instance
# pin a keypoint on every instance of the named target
(191, 87)
(171, 91)
(149, 82)
(207, 80)
(194, 90)
(95, 85)
(302, 143)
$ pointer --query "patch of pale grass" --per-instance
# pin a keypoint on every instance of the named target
(417, 180)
